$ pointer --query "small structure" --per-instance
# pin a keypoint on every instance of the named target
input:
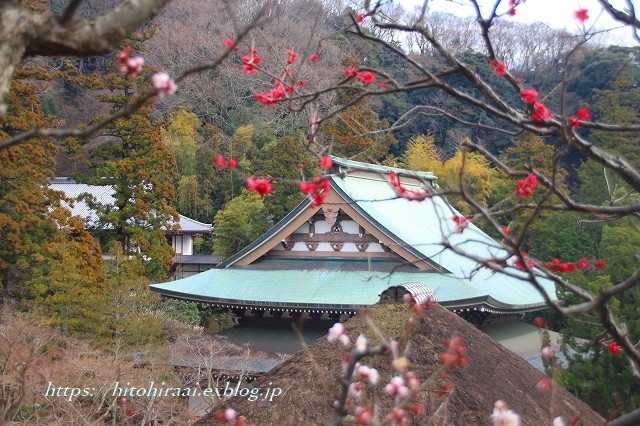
(185, 262)
(364, 242)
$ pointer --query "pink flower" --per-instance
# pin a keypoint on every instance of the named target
(402, 191)
(413, 382)
(396, 387)
(273, 97)
(260, 185)
(124, 54)
(360, 18)
(554, 265)
(529, 96)
(600, 264)
(361, 345)
(363, 415)
(326, 162)
(250, 61)
(220, 163)
(291, 56)
(583, 114)
(335, 332)
(539, 322)
(350, 71)
(227, 415)
(581, 15)
(163, 84)
(583, 263)
(461, 223)
(230, 414)
(614, 348)
(544, 385)
(365, 372)
(547, 352)
(526, 186)
(559, 421)
(384, 85)
(503, 417)
(520, 262)
(344, 340)
(366, 77)
(499, 67)
(540, 112)
(130, 66)
(313, 58)
(317, 189)
(232, 163)
(575, 123)
(230, 44)
(397, 416)
(355, 389)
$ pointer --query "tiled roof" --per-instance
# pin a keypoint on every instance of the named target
(103, 194)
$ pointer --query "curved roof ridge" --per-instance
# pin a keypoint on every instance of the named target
(352, 164)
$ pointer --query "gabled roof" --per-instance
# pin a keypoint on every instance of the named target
(103, 194)
(414, 231)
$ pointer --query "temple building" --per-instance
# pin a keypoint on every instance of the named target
(362, 244)
(186, 263)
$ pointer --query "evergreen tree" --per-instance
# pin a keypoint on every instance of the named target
(26, 224)
(615, 104)
(142, 170)
(283, 158)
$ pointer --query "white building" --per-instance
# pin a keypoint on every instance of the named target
(185, 262)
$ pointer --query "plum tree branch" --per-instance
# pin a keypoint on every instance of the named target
(137, 101)
(24, 32)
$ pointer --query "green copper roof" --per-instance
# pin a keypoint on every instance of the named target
(420, 227)
(327, 289)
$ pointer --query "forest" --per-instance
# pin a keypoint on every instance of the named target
(267, 89)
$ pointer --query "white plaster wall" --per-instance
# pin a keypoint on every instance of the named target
(187, 248)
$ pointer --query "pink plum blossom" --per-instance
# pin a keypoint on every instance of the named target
(163, 84)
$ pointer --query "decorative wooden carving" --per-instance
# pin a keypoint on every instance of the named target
(360, 231)
(337, 246)
(332, 238)
(330, 214)
(362, 246)
(312, 229)
(336, 228)
(312, 246)
(287, 244)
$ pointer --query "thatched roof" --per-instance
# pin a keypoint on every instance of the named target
(310, 378)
